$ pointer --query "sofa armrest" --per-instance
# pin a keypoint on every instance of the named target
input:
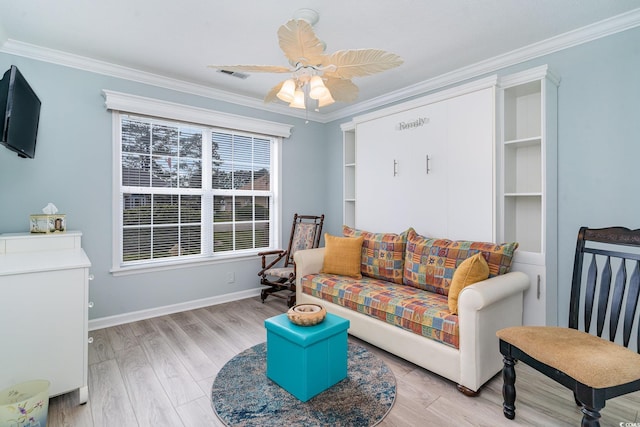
(308, 261)
(483, 309)
(484, 293)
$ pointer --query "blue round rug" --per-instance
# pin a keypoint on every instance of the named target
(242, 395)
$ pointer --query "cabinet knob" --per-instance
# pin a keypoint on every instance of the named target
(90, 340)
(90, 304)
(91, 277)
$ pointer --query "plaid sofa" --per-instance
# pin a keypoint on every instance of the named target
(402, 299)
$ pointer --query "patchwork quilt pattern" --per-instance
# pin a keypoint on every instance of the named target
(382, 254)
(423, 313)
(430, 263)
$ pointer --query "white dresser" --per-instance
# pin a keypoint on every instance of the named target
(44, 290)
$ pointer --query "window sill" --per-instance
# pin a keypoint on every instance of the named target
(183, 263)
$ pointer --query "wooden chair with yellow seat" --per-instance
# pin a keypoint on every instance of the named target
(596, 367)
(306, 231)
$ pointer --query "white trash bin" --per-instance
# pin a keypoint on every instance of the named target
(25, 404)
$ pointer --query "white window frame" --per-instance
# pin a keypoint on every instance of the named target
(121, 103)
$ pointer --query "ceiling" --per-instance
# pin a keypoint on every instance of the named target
(170, 42)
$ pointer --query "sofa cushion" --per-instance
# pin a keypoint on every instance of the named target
(472, 270)
(382, 254)
(423, 313)
(430, 263)
(342, 255)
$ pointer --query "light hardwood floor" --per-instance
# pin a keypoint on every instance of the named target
(158, 372)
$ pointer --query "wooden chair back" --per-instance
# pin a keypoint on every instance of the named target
(606, 284)
(306, 232)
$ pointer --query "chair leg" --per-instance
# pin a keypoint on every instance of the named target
(263, 295)
(575, 397)
(509, 388)
(590, 417)
(291, 300)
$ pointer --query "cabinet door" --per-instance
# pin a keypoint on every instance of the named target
(430, 168)
(470, 184)
(534, 304)
(376, 190)
(394, 189)
(44, 316)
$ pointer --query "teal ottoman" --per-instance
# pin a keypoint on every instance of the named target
(306, 360)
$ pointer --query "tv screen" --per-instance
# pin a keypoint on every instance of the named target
(20, 108)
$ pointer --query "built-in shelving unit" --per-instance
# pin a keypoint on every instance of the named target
(528, 184)
(349, 174)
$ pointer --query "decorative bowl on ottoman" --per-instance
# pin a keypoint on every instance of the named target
(307, 314)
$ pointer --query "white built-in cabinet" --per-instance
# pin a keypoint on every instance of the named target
(528, 185)
(475, 162)
(349, 174)
(429, 164)
(44, 288)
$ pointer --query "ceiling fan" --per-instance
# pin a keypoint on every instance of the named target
(318, 79)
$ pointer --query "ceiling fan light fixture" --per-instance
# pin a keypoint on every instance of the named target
(317, 89)
(298, 99)
(287, 91)
(326, 100)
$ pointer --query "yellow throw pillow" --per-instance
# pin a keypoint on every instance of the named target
(472, 270)
(342, 255)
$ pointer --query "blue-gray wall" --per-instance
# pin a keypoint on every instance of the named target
(598, 143)
(598, 176)
(72, 168)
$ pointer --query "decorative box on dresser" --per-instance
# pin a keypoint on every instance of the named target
(528, 185)
(44, 288)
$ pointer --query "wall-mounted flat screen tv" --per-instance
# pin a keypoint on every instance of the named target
(19, 113)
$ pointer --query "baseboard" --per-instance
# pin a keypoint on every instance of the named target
(134, 316)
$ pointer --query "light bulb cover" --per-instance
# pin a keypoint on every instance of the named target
(317, 89)
(326, 100)
(298, 99)
(287, 91)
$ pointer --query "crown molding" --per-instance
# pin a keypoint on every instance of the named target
(15, 47)
(573, 38)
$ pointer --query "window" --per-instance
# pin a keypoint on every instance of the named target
(191, 185)
(191, 191)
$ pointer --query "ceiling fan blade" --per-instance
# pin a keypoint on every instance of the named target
(343, 90)
(360, 62)
(253, 68)
(272, 95)
(300, 44)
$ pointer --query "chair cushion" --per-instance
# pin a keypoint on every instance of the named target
(472, 270)
(342, 255)
(382, 254)
(423, 313)
(285, 272)
(303, 237)
(589, 359)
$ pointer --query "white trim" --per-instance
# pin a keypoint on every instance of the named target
(485, 83)
(134, 316)
(537, 73)
(119, 101)
(604, 28)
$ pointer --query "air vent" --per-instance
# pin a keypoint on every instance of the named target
(234, 74)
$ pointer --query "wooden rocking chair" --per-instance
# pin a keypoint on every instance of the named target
(305, 234)
(594, 367)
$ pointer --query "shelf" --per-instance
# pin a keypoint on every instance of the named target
(536, 194)
(524, 142)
